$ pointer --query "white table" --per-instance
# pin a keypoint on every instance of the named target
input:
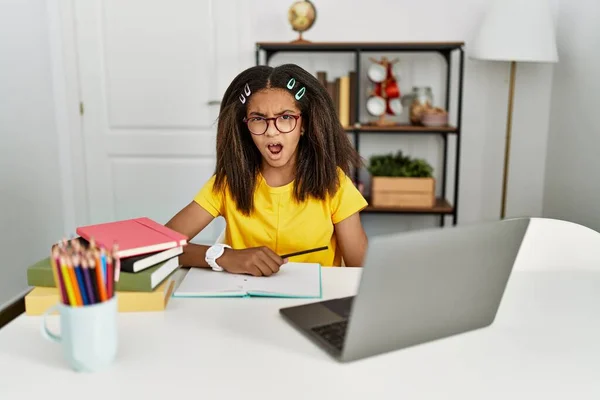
(544, 344)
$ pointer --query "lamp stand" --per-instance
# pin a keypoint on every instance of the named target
(511, 93)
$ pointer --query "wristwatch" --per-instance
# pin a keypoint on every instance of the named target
(213, 253)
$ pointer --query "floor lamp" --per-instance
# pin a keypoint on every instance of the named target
(515, 31)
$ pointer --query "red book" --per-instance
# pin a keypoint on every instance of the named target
(134, 236)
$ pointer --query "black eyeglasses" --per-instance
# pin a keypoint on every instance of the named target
(284, 123)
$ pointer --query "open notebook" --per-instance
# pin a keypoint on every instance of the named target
(295, 280)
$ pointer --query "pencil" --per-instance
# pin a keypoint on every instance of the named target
(80, 280)
(99, 277)
(74, 282)
(68, 282)
(117, 262)
(103, 262)
(93, 277)
(76, 246)
(58, 276)
(110, 280)
(298, 253)
(88, 280)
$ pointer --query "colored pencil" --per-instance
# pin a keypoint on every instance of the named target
(93, 278)
(103, 262)
(117, 262)
(68, 282)
(58, 278)
(76, 246)
(99, 277)
(75, 286)
(88, 280)
(298, 253)
(80, 280)
(110, 279)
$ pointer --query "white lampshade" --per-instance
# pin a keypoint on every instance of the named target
(516, 30)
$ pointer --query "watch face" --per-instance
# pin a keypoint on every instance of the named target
(214, 251)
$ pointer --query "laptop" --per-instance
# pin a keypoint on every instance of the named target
(415, 288)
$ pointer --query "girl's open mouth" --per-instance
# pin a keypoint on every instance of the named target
(275, 148)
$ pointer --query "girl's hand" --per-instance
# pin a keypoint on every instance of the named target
(257, 261)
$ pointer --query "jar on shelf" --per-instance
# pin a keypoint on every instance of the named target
(420, 100)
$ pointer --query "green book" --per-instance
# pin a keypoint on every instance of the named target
(40, 274)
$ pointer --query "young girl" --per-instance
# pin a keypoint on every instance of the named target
(280, 181)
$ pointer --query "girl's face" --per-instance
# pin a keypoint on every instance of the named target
(276, 139)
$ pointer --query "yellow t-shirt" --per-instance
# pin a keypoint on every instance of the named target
(283, 225)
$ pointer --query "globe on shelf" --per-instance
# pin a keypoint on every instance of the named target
(302, 15)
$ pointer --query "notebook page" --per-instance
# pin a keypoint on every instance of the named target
(204, 282)
(292, 280)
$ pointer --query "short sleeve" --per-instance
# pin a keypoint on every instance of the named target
(347, 201)
(209, 200)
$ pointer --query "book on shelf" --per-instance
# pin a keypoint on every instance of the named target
(322, 77)
(353, 83)
(344, 94)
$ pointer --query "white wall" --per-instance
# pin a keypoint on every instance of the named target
(31, 205)
(572, 189)
(484, 104)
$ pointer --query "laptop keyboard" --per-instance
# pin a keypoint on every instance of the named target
(333, 333)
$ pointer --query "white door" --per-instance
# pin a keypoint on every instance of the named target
(149, 81)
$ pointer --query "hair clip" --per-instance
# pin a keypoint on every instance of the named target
(247, 93)
(300, 93)
(290, 85)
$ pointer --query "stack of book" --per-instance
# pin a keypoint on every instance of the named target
(148, 255)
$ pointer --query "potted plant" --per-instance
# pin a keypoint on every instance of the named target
(401, 181)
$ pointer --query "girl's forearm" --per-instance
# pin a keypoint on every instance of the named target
(193, 256)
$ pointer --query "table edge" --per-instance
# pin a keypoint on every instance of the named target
(13, 308)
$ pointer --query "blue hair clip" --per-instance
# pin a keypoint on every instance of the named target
(300, 93)
(290, 85)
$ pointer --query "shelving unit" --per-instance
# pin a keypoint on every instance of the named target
(442, 207)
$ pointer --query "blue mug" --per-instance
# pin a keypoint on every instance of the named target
(88, 334)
